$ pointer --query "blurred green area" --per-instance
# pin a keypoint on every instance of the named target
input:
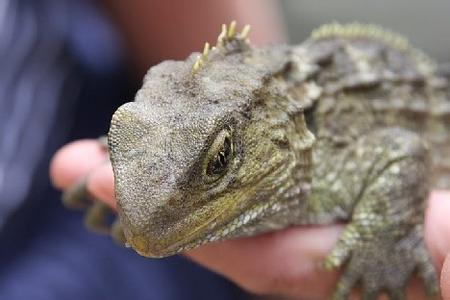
(425, 23)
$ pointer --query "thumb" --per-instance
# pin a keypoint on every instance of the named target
(445, 278)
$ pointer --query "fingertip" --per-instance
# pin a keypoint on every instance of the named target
(101, 184)
(445, 278)
(282, 262)
(437, 226)
(74, 160)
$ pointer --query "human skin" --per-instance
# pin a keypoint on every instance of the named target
(171, 29)
(286, 262)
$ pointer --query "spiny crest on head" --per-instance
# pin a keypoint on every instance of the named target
(228, 36)
(375, 32)
(357, 30)
(201, 58)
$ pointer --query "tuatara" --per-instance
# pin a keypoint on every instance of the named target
(352, 125)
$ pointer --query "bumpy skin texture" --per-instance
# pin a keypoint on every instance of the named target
(352, 125)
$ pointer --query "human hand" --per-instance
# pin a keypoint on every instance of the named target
(285, 263)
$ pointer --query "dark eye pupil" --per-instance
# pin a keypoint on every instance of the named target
(222, 158)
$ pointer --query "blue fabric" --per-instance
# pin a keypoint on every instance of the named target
(53, 257)
(33, 80)
(45, 251)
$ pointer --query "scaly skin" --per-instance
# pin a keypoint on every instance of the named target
(352, 125)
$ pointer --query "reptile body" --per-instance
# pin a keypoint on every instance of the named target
(353, 125)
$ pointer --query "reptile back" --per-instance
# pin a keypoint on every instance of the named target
(219, 146)
(372, 78)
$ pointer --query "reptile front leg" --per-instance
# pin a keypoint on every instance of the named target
(98, 215)
(383, 245)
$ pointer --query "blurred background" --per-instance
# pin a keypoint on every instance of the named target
(66, 65)
(424, 23)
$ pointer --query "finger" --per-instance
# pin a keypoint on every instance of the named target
(437, 226)
(101, 184)
(288, 262)
(445, 278)
(75, 160)
(78, 159)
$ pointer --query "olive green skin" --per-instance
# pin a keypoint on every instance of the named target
(352, 125)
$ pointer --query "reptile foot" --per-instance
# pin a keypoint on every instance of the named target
(77, 196)
(98, 215)
(381, 269)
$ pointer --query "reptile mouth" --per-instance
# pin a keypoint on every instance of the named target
(213, 229)
(217, 235)
(156, 247)
(193, 240)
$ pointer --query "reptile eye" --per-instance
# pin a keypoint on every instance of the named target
(221, 153)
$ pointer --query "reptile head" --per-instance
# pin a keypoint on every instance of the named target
(199, 153)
